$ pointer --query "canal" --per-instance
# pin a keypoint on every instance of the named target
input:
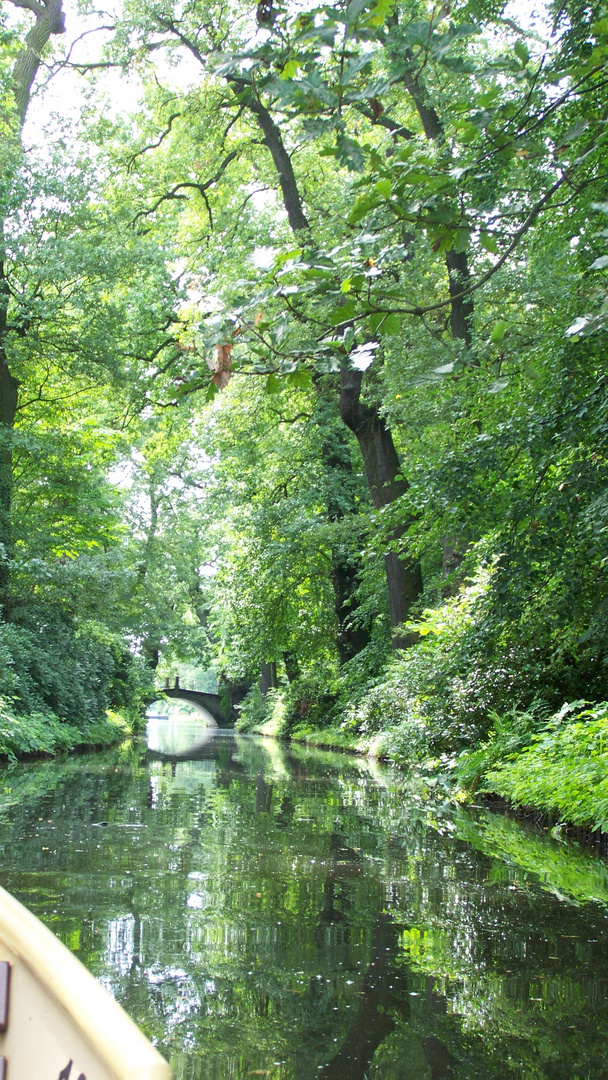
(264, 910)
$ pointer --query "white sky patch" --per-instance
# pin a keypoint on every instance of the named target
(121, 476)
(363, 356)
(207, 570)
(533, 18)
(65, 94)
(262, 198)
(263, 257)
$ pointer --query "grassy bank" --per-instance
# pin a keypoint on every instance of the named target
(42, 733)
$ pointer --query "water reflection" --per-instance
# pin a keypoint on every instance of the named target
(179, 734)
(265, 910)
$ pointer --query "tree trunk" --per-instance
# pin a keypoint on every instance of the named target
(457, 264)
(404, 577)
(268, 677)
(292, 666)
(386, 484)
(350, 639)
(461, 307)
(50, 19)
(352, 636)
(282, 163)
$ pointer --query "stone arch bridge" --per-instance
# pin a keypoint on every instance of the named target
(207, 705)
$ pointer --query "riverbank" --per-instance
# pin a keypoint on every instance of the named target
(552, 767)
(44, 735)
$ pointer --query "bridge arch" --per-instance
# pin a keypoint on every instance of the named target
(205, 704)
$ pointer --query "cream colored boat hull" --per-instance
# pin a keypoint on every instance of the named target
(60, 1024)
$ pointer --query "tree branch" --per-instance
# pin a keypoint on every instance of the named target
(29, 5)
(153, 145)
(170, 25)
(201, 188)
(50, 19)
(282, 162)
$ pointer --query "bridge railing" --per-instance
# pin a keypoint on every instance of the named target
(201, 686)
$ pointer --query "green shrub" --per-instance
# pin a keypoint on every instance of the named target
(253, 711)
(130, 687)
(42, 733)
(564, 769)
(477, 676)
(434, 698)
(308, 702)
(51, 667)
(508, 735)
(47, 665)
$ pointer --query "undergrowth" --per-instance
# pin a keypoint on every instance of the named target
(44, 733)
(563, 770)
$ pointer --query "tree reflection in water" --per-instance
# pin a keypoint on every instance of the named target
(272, 911)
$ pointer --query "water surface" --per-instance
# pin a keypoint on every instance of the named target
(272, 911)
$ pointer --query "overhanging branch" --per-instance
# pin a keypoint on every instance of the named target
(190, 184)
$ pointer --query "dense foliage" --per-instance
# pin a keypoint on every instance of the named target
(302, 366)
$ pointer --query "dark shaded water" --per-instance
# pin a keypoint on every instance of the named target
(269, 911)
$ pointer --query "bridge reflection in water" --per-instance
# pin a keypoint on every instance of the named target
(187, 724)
(178, 735)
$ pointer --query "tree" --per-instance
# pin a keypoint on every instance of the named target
(244, 97)
(49, 20)
(371, 90)
(337, 224)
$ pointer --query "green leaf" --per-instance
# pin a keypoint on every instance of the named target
(313, 129)
(498, 332)
(273, 384)
(362, 207)
(461, 242)
(467, 131)
(443, 239)
(350, 154)
(343, 313)
(283, 257)
(574, 132)
(489, 97)
(375, 321)
(392, 324)
(355, 67)
(521, 52)
(384, 188)
(290, 68)
(380, 12)
(301, 379)
(488, 242)
(355, 9)
(328, 365)
(445, 369)
(384, 323)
